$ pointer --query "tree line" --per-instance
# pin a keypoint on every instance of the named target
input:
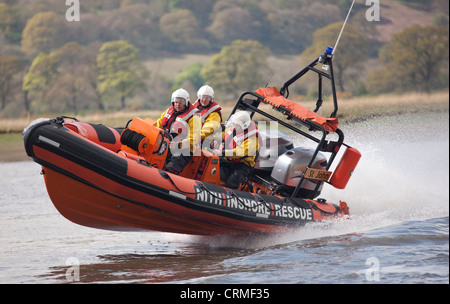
(50, 65)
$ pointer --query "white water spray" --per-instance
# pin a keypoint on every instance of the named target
(403, 175)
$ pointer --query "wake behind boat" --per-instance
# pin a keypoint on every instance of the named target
(114, 179)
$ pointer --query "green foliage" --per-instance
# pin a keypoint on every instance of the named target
(183, 30)
(192, 75)
(201, 8)
(441, 19)
(9, 67)
(42, 70)
(239, 67)
(120, 71)
(291, 29)
(232, 24)
(63, 80)
(416, 59)
(10, 25)
(350, 54)
(65, 77)
(44, 32)
(133, 24)
(6, 19)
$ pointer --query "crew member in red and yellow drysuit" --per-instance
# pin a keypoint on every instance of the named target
(183, 122)
(211, 115)
(239, 150)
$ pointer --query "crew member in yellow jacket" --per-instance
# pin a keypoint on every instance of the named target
(183, 122)
(241, 143)
(211, 115)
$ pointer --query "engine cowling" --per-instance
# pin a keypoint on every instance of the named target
(290, 167)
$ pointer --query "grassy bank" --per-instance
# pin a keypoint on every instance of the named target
(350, 110)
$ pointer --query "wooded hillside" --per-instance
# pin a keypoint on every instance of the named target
(52, 63)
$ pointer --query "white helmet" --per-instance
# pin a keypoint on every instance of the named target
(205, 90)
(181, 93)
(242, 119)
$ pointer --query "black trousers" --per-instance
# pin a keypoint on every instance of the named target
(233, 174)
(176, 164)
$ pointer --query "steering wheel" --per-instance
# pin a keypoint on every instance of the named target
(167, 134)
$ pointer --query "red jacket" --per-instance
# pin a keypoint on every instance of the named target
(175, 122)
(205, 112)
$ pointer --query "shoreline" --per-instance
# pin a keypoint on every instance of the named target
(353, 111)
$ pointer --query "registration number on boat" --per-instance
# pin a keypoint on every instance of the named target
(317, 174)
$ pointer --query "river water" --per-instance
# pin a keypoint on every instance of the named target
(398, 231)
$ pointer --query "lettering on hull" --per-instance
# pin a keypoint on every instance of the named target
(261, 209)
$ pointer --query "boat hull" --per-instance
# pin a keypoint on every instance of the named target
(93, 185)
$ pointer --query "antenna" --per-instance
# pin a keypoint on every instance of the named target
(273, 73)
(343, 26)
(326, 60)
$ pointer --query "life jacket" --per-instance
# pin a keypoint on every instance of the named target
(233, 140)
(205, 112)
(175, 121)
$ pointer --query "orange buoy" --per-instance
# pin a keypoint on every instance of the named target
(345, 168)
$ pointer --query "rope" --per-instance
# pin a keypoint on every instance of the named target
(131, 139)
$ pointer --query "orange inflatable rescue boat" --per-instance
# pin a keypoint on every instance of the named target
(102, 177)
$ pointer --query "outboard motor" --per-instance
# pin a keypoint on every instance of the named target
(290, 166)
(274, 144)
(280, 166)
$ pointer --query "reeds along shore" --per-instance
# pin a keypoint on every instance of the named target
(350, 110)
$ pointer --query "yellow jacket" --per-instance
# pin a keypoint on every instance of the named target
(188, 122)
(212, 123)
(242, 147)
